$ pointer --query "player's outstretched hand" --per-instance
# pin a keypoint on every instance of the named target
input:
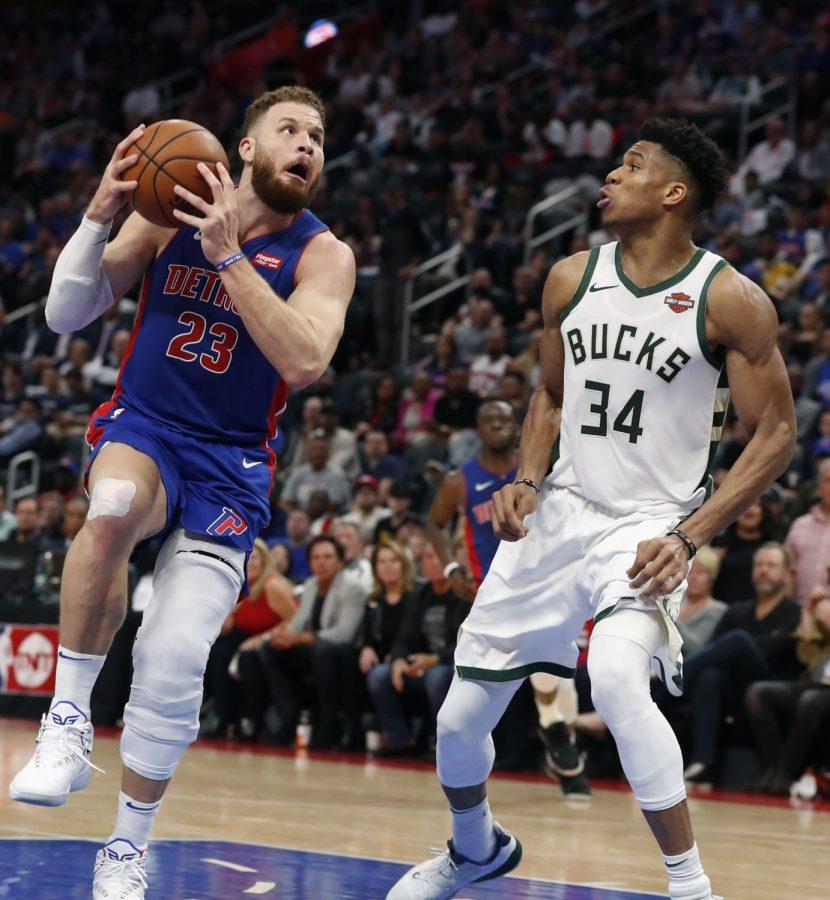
(219, 221)
(112, 192)
(661, 565)
(510, 506)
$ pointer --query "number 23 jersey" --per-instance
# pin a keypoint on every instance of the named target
(190, 363)
(645, 397)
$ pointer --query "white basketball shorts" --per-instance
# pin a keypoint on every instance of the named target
(540, 590)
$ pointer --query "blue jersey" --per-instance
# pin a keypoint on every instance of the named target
(191, 363)
(481, 542)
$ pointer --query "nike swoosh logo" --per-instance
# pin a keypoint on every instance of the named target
(604, 287)
(73, 658)
(248, 464)
(483, 486)
(142, 809)
(197, 236)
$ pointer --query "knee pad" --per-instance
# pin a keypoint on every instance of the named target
(649, 751)
(111, 497)
(195, 585)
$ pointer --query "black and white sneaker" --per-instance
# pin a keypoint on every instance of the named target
(563, 762)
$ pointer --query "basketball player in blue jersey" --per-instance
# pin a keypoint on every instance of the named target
(242, 303)
(639, 336)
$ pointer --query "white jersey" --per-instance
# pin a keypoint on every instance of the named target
(645, 397)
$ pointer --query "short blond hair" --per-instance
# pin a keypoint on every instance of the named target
(407, 568)
(289, 93)
(710, 561)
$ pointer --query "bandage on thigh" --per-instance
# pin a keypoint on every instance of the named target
(111, 497)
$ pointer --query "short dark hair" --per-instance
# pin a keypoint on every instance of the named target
(326, 539)
(697, 154)
(290, 93)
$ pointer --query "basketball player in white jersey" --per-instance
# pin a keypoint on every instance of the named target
(639, 335)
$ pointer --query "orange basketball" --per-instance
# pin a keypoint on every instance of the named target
(168, 153)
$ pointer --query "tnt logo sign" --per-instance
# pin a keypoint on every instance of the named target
(28, 658)
(228, 522)
(266, 261)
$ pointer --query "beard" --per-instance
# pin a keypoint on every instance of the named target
(287, 199)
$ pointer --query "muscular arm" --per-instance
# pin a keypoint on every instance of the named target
(128, 256)
(299, 336)
(448, 501)
(541, 425)
(743, 320)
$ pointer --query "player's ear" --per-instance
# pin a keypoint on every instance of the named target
(676, 192)
(246, 148)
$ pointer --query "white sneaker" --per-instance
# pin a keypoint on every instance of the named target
(447, 872)
(60, 763)
(120, 872)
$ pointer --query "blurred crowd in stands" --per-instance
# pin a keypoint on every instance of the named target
(444, 130)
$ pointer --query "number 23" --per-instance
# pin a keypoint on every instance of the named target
(217, 358)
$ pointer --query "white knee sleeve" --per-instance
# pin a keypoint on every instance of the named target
(195, 585)
(619, 665)
(471, 710)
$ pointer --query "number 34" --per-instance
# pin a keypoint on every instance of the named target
(217, 358)
(627, 422)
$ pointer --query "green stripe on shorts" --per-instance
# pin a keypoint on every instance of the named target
(477, 674)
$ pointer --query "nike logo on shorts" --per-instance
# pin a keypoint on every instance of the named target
(197, 236)
(604, 287)
(484, 485)
(249, 464)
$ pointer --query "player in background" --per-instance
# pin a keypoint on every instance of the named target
(639, 336)
(242, 303)
(468, 492)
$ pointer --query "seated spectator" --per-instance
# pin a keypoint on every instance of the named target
(23, 430)
(50, 509)
(513, 390)
(78, 406)
(399, 504)
(318, 474)
(377, 461)
(382, 413)
(443, 358)
(366, 510)
(102, 371)
(8, 523)
(769, 158)
(12, 391)
(50, 391)
(700, 612)
(590, 137)
(298, 534)
(488, 369)
(416, 410)
(355, 563)
(808, 541)
(752, 642)
(296, 451)
(803, 704)
(342, 442)
(737, 548)
(28, 522)
(737, 86)
(281, 557)
(318, 643)
(269, 602)
(471, 334)
(422, 656)
(455, 413)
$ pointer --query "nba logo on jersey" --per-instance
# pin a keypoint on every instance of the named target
(228, 522)
(679, 302)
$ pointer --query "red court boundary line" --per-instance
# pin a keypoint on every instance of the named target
(416, 765)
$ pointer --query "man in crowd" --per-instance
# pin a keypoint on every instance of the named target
(319, 473)
(808, 541)
(366, 510)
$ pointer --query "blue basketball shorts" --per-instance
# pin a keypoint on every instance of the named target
(217, 490)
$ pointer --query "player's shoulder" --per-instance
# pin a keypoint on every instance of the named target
(324, 249)
(739, 309)
(563, 282)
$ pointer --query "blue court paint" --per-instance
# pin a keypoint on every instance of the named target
(62, 870)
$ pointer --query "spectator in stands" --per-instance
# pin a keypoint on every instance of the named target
(317, 643)
(298, 534)
(770, 158)
(513, 390)
(377, 461)
(281, 557)
(366, 509)
(488, 369)
(318, 474)
(102, 371)
(269, 602)
(23, 430)
(342, 442)
(422, 656)
(50, 510)
(737, 548)
(28, 522)
(296, 452)
(382, 413)
(74, 516)
(355, 564)
(399, 503)
(79, 404)
(416, 410)
(12, 392)
(804, 704)
(455, 413)
(443, 358)
(471, 334)
(590, 137)
(8, 523)
(700, 613)
(681, 91)
(808, 541)
(752, 642)
(49, 392)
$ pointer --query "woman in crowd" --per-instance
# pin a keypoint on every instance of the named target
(270, 601)
(700, 612)
(443, 358)
(737, 546)
(416, 412)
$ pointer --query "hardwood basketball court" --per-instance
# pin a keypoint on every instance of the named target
(343, 826)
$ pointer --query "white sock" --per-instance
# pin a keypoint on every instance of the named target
(472, 832)
(75, 676)
(135, 821)
(686, 875)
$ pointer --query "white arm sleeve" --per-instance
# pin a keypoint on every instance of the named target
(80, 290)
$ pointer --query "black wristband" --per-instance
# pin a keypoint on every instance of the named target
(528, 481)
(687, 541)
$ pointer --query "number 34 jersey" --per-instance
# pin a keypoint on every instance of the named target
(190, 363)
(645, 397)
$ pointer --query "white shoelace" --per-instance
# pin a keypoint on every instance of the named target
(116, 871)
(55, 742)
(443, 866)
